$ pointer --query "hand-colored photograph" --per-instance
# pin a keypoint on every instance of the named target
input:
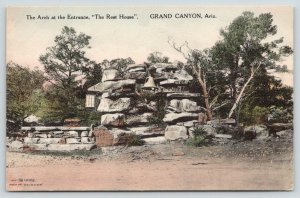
(149, 98)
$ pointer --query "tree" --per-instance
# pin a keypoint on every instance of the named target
(245, 51)
(199, 63)
(65, 64)
(157, 57)
(119, 64)
(24, 91)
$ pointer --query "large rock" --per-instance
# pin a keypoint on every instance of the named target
(182, 75)
(109, 86)
(174, 117)
(135, 75)
(28, 140)
(72, 133)
(113, 106)
(49, 140)
(175, 132)
(184, 105)
(261, 132)
(117, 119)
(183, 95)
(146, 131)
(16, 146)
(70, 147)
(163, 67)
(155, 140)
(110, 74)
(209, 130)
(72, 140)
(136, 67)
(138, 119)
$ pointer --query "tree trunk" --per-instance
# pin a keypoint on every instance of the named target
(205, 94)
(240, 95)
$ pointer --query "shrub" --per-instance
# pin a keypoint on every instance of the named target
(130, 139)
(200, 138)
(256, 115)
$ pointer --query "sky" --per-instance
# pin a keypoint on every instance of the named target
(28, 38)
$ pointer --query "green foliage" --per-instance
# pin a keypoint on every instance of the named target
(157, 117)
(64, 64)
(24, 91)
(280, 114)
(90, 117)
(119, 64)
(130, 139)
(256, 115)
(157, 57)
(248, 47)
(200, 138)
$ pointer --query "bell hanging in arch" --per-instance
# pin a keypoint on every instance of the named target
(149, 84)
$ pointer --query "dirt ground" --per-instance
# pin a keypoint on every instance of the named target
(234, 165)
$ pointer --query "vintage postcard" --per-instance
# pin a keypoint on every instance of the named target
(149, 98)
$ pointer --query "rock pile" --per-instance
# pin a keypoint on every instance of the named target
(128, 103)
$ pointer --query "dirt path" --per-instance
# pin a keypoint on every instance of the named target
(252, 165)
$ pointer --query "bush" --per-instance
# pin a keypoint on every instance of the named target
(200, 138)
(279, 114)
(130, 139)
(256, 115)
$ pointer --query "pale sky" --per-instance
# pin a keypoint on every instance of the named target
(136, 38)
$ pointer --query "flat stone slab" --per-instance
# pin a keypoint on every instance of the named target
(57, 128)
(183, 95)
(223, 136)
(155, 140)
(70, 147)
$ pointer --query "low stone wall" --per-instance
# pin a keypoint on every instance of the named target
(53, 138)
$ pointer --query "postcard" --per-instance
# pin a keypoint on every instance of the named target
(149, 98)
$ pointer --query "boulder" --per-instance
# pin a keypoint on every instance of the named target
(175, 132)
(138, 119)
(182, 75)
(163, 67)
(136, 75)
(113, 106)
(30, 135)
(85, 140)
(70, 147)
(49, 140)
(84, 134)
(72, 133)
(72, 140)
(155, 140)
(16, 146)
(43, 135)
(131, 67)
(116, 132)
(261, 132)
(109, 86)
(117, 119)
(184, 105)
(110, 74)
(28, 140)
(147, 131)
(174, 117)
(190, 123)
(209, 130)
(104, 137)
